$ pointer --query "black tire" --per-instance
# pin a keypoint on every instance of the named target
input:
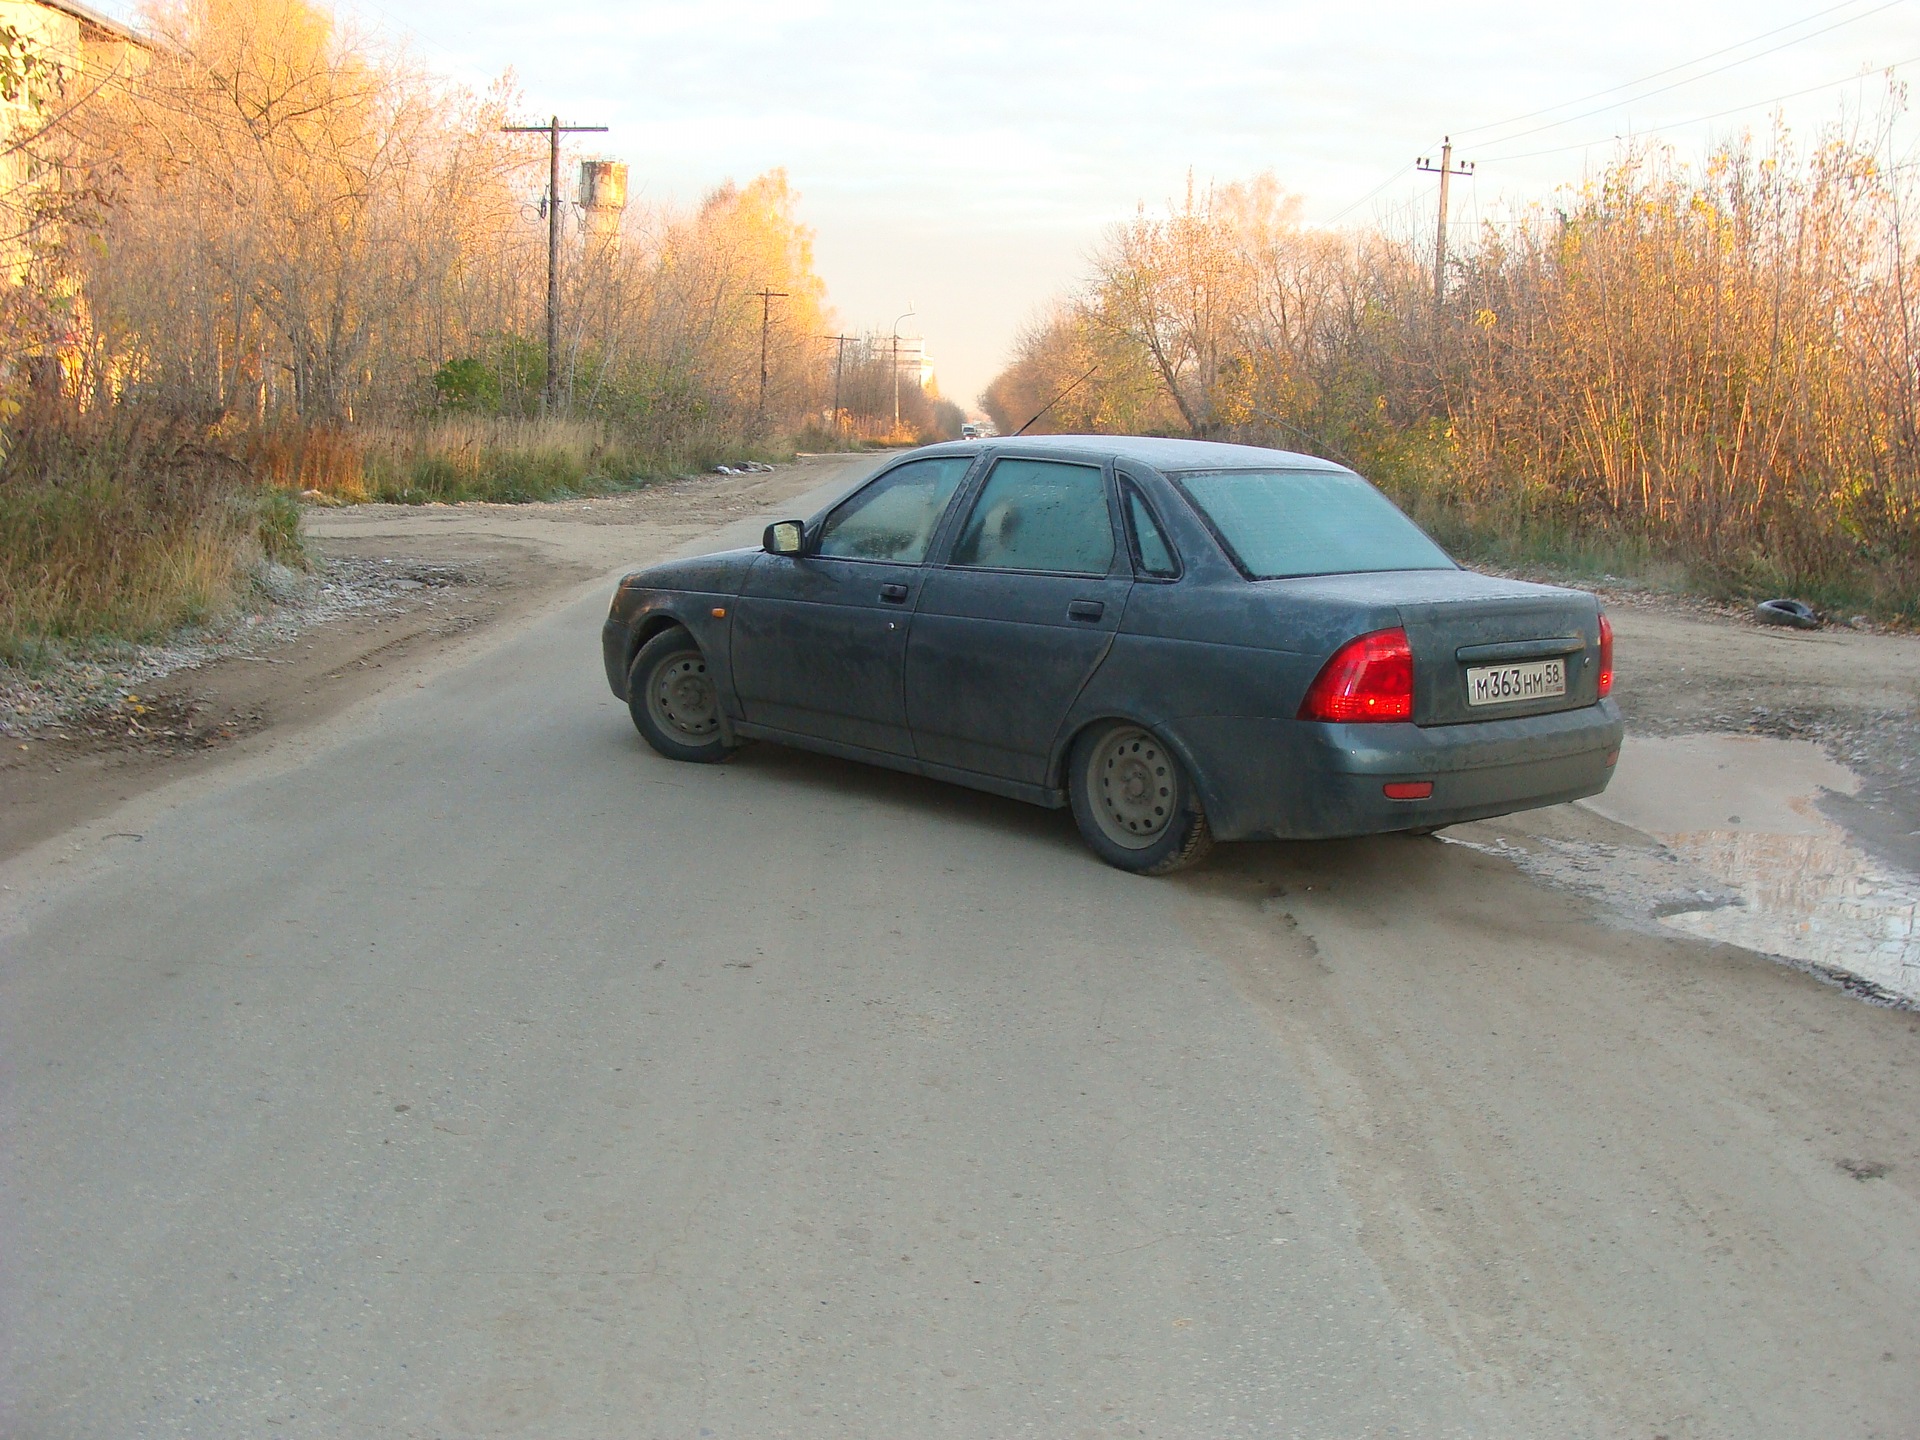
(673, 701)
(1796, 613)
(1135, 805)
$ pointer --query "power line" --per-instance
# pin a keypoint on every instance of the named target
(1715, 115)
(1678, 84)
(1682, 65)
(413, 30)
(1821, 14)
(1396, 173)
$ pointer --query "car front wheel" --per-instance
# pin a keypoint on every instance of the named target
(1136, 807)
(673, 700)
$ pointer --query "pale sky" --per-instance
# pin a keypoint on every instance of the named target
(962, 159)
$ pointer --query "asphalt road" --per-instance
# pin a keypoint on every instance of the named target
(460, 1068)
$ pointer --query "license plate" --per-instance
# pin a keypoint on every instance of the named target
(1512, 684)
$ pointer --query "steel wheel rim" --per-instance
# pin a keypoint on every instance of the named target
(1134, 785)
(681, 698)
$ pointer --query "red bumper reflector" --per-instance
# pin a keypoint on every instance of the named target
(1407, 789)
(1613, 757)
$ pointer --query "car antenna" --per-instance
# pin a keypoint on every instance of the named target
(1061, 396)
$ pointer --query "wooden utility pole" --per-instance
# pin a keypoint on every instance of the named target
(553, 130)
(1446, 171)
(767, 297)
(839, 363)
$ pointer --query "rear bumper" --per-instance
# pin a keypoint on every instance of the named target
(1296, 780)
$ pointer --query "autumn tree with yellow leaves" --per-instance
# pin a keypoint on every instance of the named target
(276, 255)
(1714, 365)
(301, 226)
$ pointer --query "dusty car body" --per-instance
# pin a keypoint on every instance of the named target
(967, 620)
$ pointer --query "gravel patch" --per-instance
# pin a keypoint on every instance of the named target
(86, 680)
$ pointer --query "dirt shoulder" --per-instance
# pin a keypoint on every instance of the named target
(393, 585)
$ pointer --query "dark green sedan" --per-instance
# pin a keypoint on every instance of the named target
(1184, 641)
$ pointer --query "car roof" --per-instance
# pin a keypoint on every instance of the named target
(1161, 452)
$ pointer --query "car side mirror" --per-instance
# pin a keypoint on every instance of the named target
(785, 537)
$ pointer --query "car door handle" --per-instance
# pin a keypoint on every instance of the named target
(1085, 609)
(893, 594)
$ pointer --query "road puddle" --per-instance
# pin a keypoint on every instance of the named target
(1744, 855)
(1816, 899)
(1743, 811)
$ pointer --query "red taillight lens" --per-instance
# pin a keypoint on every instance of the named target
(1606, 656)
(1367, 679)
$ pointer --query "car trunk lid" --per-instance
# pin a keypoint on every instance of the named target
(1496, 657)
(1459, 622)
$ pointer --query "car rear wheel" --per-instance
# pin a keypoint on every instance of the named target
(673, 700)
(1134, 803)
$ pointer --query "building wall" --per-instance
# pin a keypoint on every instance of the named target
(87, 48)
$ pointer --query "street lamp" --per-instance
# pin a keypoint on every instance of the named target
(896, 363)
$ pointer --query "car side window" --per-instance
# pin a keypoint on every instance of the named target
(1039, 515)
(894, 518)
(1150, 549)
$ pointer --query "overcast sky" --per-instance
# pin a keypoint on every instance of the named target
(963, 158)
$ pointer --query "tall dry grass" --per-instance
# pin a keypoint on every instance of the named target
(113, 529)
(476, 457)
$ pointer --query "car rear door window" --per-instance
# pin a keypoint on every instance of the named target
(1039, 515)
(1281, 523)
(1150, 549)
(894, 518)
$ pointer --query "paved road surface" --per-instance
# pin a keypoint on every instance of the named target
(463, 1069)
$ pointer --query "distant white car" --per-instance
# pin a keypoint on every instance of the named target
(980, 431)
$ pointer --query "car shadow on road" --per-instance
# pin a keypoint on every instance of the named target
(1272, 863)
(1275, 863)
(873, 784)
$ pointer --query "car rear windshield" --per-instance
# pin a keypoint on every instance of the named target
(1281, 523)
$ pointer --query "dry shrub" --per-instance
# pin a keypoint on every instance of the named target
(326, 458)
(477, 457)
(1707, 370)
(299, 223)
(112, 528)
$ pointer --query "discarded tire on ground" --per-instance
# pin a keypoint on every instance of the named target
(1796, 613)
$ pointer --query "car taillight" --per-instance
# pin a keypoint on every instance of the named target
(1370, 678)
(1606, 656)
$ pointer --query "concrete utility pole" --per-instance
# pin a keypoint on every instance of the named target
(553, 130)
(911, 312)
(839, 363)
(767, 297)
(1446, 172)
